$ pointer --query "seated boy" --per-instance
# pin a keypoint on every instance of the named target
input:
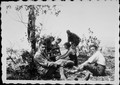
(96, 64)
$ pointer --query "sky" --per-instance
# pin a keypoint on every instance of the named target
(101, 16)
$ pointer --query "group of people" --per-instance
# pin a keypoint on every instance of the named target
(51, 62)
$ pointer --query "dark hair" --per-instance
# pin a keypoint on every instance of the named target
(68, 31)
(59, 39)
(96, 47)
(51, 37)
(67, 44)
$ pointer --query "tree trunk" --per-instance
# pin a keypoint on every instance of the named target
(31, 28)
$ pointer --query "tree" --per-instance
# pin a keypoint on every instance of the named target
(34, 11)
(32, 29)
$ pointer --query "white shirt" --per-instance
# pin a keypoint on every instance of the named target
(97, 58)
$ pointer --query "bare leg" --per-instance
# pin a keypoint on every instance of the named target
(62, 73)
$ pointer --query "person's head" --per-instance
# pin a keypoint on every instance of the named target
(68, 31)
(42, 48)
(93, 48)
(52, 38)
(67, 45)
(73, 46)
(58, 40)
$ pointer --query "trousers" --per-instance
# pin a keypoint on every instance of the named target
(96, 69)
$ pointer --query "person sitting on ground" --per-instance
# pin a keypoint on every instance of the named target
(69, 59)
(73, 38)
(48, 45)
(96, 64)
(70, 54)
(45, 68)
(55, 49)
(43, 63)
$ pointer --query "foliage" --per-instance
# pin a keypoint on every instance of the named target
(86, 42)
(26, 62)
(23, 68)
(39, 9)
(34, 11)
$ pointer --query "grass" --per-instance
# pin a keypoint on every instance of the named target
(110, 70)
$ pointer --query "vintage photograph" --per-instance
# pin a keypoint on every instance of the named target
(60, 42)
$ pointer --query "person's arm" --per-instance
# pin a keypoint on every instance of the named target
(90, 60)
(65, 55)
(86, 62)
(59, 50)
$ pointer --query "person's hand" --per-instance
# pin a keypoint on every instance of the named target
(57, 57)
(81, 67)
(50, 63)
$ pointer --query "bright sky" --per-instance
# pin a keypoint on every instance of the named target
(101, 16)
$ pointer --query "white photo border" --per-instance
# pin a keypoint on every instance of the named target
(3, 60)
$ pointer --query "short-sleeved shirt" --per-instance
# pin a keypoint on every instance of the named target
(97, 58)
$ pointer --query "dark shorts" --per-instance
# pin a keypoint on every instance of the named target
(96, 69)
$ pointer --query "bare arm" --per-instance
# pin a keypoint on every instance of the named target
(90, 60)
(65, 55)
(86, 62)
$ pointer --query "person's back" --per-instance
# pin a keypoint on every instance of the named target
(74, 59)
(73, 56)
(73, 38)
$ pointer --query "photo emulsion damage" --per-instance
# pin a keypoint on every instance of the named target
(60, 42)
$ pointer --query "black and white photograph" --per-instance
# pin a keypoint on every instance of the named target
(73, 42)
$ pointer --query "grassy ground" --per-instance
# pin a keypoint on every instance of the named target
(110, 69)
